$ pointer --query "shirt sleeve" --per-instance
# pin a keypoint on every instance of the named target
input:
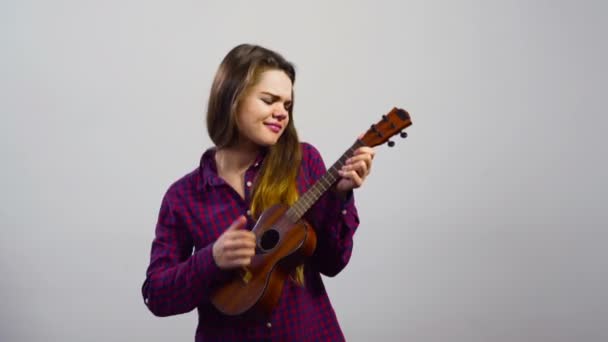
(333, 217)
(177, 280)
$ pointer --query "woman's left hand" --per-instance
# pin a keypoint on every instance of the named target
(356, 169)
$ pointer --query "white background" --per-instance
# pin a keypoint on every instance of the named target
(488, 223)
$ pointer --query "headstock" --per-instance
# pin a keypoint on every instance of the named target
(391, 123)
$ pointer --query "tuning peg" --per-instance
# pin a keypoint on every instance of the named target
(391, 143)
(403, 134)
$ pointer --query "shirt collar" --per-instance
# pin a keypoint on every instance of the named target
(208, 169)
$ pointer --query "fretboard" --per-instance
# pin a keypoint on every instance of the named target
(310, 197)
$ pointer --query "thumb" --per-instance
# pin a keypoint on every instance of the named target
(239, 223)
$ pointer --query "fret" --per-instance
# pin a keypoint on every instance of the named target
(324, 183)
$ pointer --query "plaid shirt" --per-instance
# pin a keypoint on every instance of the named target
(197, 209)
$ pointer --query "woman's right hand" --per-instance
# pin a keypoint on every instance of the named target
(235, 247)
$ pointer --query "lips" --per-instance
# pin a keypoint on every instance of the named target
(276, 128)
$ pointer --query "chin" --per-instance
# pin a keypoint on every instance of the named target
(268, 141)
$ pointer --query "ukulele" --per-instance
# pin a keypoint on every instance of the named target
(284, 239)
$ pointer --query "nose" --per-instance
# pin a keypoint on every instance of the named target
(280, 113)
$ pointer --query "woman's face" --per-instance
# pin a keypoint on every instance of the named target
(262, 115)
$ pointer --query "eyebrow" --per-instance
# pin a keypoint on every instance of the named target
(274, 96)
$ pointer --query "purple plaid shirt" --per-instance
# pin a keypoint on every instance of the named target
(182, 273)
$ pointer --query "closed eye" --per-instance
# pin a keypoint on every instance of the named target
(269, 99)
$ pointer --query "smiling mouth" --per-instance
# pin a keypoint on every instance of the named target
(274, 127)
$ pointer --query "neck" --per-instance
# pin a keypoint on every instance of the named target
(235, 159)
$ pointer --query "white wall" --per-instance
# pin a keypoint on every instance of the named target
(487, 224)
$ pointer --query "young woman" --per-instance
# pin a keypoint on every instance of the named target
(205, 221)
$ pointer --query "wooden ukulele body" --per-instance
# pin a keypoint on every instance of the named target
(281, 246)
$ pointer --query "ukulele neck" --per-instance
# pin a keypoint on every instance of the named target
(310, 197)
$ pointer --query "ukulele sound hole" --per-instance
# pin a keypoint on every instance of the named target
(269, 239)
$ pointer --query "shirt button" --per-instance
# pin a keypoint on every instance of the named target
(269, 325)
(248, 212)
(344, 212)
(248, 184)
(256, 164)
(146, 301)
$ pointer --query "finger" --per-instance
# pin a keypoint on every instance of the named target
(365, 150)
(238, 223)
(240, 254)
(232, 245)
(352, 176)
(366, 157)
(244, 262)
(360, 167)
(368, 152)
(239, 234)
